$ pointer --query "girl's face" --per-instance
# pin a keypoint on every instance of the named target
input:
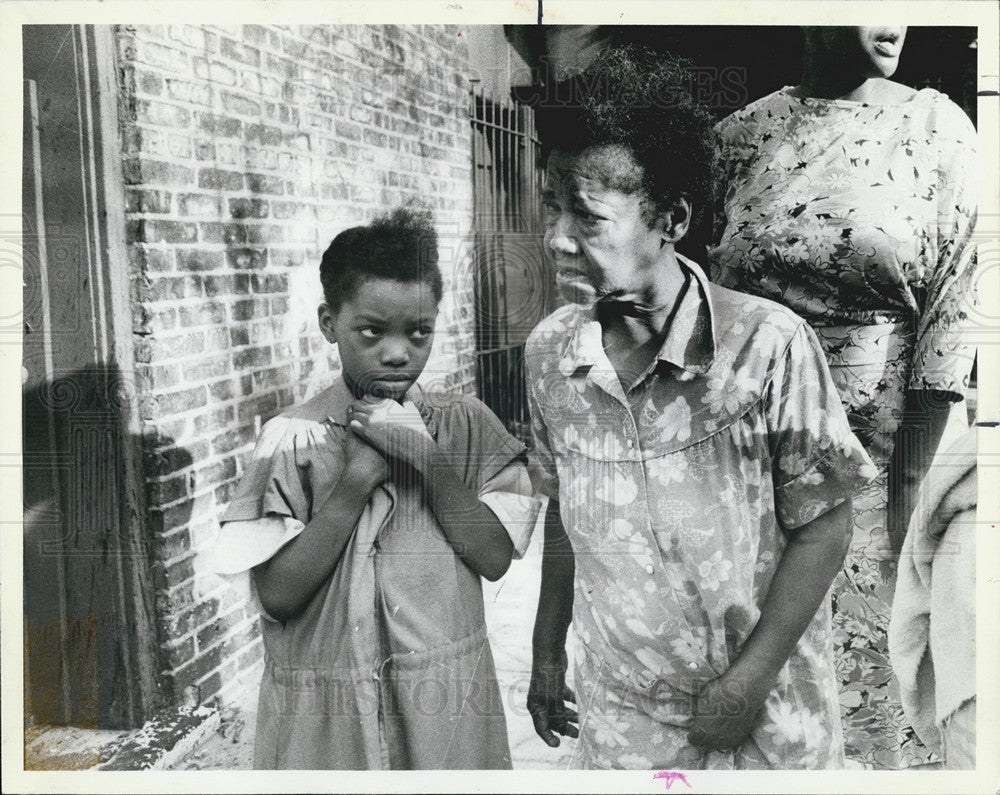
(384, 333)
(872, 51)
(600, 242)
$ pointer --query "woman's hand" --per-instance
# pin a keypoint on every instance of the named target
(726, 710)
(549, 699)
(397, 430)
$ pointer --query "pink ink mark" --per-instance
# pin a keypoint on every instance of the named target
(669, 777)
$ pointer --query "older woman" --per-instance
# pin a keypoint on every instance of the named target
(696, 455)
(849, 199)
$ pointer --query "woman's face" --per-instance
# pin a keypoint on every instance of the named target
(872, 51)
(600, 242)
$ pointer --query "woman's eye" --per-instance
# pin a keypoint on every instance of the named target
(369, 333)
(588, 219)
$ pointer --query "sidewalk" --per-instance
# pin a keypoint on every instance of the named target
(510, 613)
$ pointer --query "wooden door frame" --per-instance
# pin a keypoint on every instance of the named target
(127, 680)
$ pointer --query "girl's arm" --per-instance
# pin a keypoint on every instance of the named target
(473, 530)
(289, 580)
(727, 708)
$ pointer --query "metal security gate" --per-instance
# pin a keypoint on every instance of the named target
(514, 288)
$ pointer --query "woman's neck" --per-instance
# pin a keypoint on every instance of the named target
(822, 79)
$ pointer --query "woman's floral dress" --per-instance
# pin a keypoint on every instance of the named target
(859, 217)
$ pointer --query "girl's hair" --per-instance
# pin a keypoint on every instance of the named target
(640, 100)
(400, 246)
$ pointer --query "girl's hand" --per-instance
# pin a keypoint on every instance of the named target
(397, 430)
(365, 467)
(726, 710)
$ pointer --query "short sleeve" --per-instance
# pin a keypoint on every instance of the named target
(491, 462)
(293, 465)
(944, 353)
(818, 461)
(544, 474)
(508, 495)
(475, 441)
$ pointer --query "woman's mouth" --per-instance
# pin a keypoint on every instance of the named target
(887, 44)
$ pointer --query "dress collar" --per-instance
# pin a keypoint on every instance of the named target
(690, 341)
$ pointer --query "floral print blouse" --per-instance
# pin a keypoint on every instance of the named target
(678, 496)
(856, 214)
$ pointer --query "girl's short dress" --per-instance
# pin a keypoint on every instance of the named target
(389, 666)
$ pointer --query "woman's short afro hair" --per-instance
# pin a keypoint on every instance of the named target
(639, 99)
(400, 246)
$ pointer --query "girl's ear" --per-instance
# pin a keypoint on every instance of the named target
(327, 318)
(675, 220)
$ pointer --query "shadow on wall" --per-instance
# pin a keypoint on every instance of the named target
(90, 638)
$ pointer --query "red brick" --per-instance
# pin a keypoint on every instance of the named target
(211, 367)
(261, 183)
(180, 345)
(174, 544)
(178, 574)
(147, 201)
(240, 105)
(157, 231)
(175, 655)
(229, 234)
(222, 390)
(186, 400)
(213, 474)
(214, 420)
(219, 126)
(248, 208)
(216, 629)
(250, 308)
(262, 406)
(219, 179)
(209, 313)
(165, 461)
(168, 490)
(199, 204)
(166, 288)
(275, 376)
(163, 114)
(203, 664)
(232, 439)
(251, 357)
(226, 284)
(236, 51)
(199, 260)
(175, 600)
(246, 258)
(137, 171)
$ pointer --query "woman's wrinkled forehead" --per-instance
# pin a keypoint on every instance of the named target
(607, 167)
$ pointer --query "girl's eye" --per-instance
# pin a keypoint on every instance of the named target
(369, 333)
(421, 333)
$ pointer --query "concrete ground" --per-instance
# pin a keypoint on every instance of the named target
(510, 612)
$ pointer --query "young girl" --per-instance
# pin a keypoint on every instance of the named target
(367, 516)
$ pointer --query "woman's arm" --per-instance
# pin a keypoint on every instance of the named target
(547, 693)
(727, 708)
(925, 416)
(287, 581)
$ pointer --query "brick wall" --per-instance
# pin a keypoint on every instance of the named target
(245, 151)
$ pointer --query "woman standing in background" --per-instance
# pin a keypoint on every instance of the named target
(850, 199)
